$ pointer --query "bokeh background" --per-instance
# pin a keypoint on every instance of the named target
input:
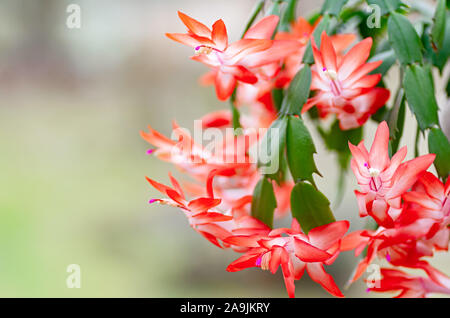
(72, 187)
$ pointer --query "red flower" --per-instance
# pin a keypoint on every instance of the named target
(197, 210)
(394, 280)
(344, 88)
(402, 246)
(294, 253)
(232, 62)
(215, 226)
(430, 199)
(236, 172)
(301, 31)
(383, 180)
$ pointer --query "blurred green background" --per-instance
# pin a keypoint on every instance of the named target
(72, 187)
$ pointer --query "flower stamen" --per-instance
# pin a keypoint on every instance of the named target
(203, 49)
(374, 172)
(265, 260)
(333, 77)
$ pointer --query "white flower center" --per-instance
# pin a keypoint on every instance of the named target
(332, 75)
(203, 49)
(374, 172)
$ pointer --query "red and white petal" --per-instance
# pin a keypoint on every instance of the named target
(325, 236)
(433, 186)
(225, 84)
(353, 240)
(158, 186)
(244, 47)
(241, 73)
(318, 274)
(243, 240)
(379, 152)
(435, 275)
(328, 53)
(379, 211)
(367, 81)
(360, 72)
(298, 267)
(309, 253)
(396, 160)
(203, 204)
(279, 50)
(275, 258)
(354, 58)
(194, 26)
(210, 217)
(245, 261)
(407, 174)
(263, 29)
(288, 274)
(219, 35)
(342, 41)
(423, 200)
(189, 40)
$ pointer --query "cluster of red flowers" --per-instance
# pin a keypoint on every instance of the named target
(412, 224)
(411, 207)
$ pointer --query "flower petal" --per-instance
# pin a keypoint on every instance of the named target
(354, 58)
(245, 261)
(327, 235)
(433, 186)
(361, 71)
(407, 174)
(328, 52)
(225, 84)
(318, 274)
(194, 26)
(378, 154)
(263, 29)
(308, 253)
(203, 204)
(219, 35)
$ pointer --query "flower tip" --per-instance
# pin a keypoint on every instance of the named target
(150, 151)
(152, 201)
